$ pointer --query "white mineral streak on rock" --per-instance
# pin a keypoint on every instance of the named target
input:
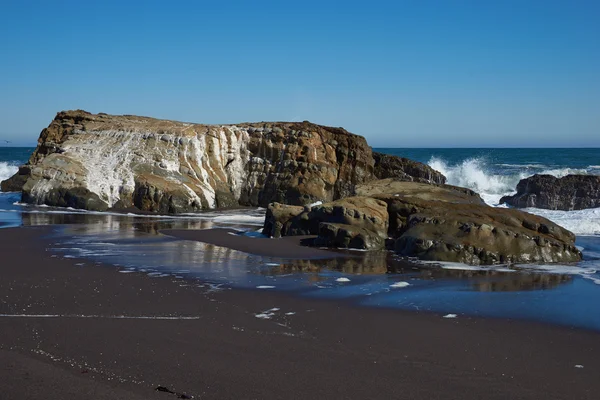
(108, 162)
(40, 189)
(109, 157)
(237, 159)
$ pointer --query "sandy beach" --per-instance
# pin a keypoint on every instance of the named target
(72, 331)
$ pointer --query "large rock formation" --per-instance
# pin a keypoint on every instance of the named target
(101, 161)
(572, 192)
(431, 222)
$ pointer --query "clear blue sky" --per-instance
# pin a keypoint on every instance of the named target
(404, 74)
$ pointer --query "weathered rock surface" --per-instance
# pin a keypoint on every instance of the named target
(479, 234)
(435, 222)
(388, 166)
(351, 222)
(348, 236)
(572, 192)
(279, 218)
(100, 161)
(397, 187)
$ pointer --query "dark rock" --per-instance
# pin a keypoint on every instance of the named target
(388, 166)
(348, 236)
(15, 183)
(479, 234)
(361, 212)
(572, 192)
(436, 222)
(74, 197)
(278, 219)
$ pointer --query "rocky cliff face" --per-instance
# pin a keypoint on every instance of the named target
(99, 161)
(572, 192)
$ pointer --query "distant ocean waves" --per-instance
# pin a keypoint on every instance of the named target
(492, 181)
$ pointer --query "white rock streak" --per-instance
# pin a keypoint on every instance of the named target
(110, 160)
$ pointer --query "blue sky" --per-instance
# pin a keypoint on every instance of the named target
(444, 73)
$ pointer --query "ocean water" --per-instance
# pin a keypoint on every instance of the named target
(559, 294)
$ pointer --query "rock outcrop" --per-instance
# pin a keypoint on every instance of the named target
(388, 166)
(572, 192)
(99, 161)
(353, 222)
(431, 222)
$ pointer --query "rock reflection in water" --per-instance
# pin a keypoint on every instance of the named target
(135, 241)
(373, 263)
(490, 280)
(369, 263)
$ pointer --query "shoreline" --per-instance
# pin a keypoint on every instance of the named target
(326, 348)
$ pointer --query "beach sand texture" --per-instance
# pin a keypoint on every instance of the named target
(78, 332)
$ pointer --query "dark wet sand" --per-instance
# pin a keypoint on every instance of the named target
(286, 247)
(328, 349)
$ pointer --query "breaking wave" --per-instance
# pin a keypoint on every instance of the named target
(492, 181)
(7, 170)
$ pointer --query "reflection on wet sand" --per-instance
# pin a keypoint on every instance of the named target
(373, 263)
(347, 265)
(135, 241)
(498, 281)
(522, 281)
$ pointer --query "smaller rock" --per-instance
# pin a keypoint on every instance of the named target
(15, 183)
(572, 192)
(363, 212)
(388, 166)
(278, 219)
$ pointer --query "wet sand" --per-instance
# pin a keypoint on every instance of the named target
(89, 332)
(286, 247)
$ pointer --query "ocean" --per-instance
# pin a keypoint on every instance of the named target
(557, 294)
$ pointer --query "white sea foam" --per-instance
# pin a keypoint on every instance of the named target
(7, 170)
(400, 285)
(580, 222)
(254, 217)
(267, 314)
(342, 279)
(251, 217)
(538, 166)
(476, 174)
(473, 173)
